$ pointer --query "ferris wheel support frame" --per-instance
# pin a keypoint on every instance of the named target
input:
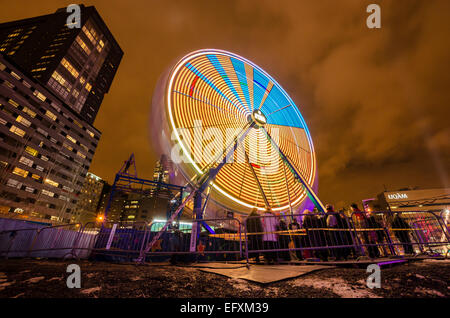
(196, 195)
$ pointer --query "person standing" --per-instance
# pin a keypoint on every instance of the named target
(254, 233)
(294, 226)
(401, 231)
(269, 224)
(283, 239)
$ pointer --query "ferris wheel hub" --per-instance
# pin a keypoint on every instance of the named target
(258, 117)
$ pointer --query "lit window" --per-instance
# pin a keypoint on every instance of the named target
(8, 84)
(88, 87)
(17, 131)
(81, 155)
(31, 151)
(29, 112)
(82, 80)
(17, 77)
(38, 69)
(12, 102)
(39, 95)
(20, 172)
(71, 139)
(84, 147)
(83, 45)
(51, 182)
(50, 115)
(29, 189)
(50, 194)
(69, 67)
(67, 189)
(89, 35)
(14, 183)
(26, 161)
(35, 176)
(23, 121)
(77, 123)
(67, 146)
(90, 133)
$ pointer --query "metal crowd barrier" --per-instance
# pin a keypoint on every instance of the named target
(300, 236)
(180, 245)
(276, 237)
(394, 233)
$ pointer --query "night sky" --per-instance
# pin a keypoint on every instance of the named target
(376, 100)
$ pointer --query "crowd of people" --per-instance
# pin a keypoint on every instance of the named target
(323, 235)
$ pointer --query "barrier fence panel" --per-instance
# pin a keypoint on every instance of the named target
(55, 241)
(180, 243)
(17, 243)
(276, 237)
(112, 241)
(389, 233)
(300, 236)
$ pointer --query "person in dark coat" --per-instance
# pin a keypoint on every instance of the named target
(402, 233)
(373, 237)
(296, 237)
(346, 235)
(314, 224)
(283, 239)
(309, 223)
(254, 225)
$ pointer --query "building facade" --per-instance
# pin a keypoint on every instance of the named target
(436, 200)
(47, 139)
(76, 64)
(89, 199)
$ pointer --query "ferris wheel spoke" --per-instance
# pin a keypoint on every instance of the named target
(295, 131)
(279, 110)
(261, 190)
(228, 125)
(205, 101)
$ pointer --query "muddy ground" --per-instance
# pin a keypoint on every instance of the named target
(47, 279)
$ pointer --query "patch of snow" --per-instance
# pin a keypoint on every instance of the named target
(35, 279)
(337, 286)
(425, 291)
(240, 284)
(91, 290)
(3, 285)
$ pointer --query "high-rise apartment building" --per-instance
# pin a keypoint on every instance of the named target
(76, 64)
(88, 199)
(52, 82)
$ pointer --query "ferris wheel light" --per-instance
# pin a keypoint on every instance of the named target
(224, 89)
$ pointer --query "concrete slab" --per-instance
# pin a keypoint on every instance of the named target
(266, 274)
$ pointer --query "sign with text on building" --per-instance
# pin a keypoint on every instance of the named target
(397, 196)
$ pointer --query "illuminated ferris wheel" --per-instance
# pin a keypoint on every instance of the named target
(222, 108)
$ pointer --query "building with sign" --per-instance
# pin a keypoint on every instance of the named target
(437, 200)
